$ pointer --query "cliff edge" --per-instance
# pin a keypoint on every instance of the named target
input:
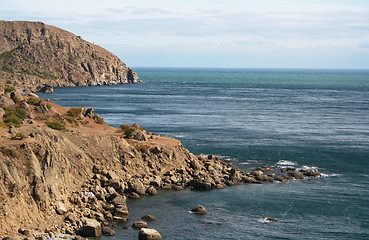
(33, 54)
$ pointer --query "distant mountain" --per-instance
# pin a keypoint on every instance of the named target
(33, 54)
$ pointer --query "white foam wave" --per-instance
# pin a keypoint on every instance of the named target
(330, 175)
(309, 168)
(286, 163)
(265, 220)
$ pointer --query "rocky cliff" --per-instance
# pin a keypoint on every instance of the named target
(33, 54)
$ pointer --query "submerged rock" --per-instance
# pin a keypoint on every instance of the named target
(149, 218)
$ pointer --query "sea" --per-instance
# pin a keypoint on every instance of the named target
(317, 118)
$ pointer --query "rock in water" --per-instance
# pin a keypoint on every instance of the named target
(149, 218)
(140, 224)
(108, 231)
(199, 209)
(149, 234)
(91, 228)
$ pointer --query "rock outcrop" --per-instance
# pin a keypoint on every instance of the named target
(34, 55)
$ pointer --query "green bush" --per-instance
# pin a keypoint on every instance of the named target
(19, 136)
(9, 89)
(129, 131)
(32, 100)
(9, 82)
(57, 125)
(70, 120)
(7, 69)
(9, 152)
(13, 117)
(74, 112)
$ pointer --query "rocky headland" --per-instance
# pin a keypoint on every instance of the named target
(34, 55)
(65, 173)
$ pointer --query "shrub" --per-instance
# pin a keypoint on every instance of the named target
(48, 106)
(70, 120)
(9, 82)
(99, 120)
(129, 131)
(32, 100)
(57, 125)
(13, 117)
(9, 152)
(12, 121)
(19, 136)
(9, 89)
(7, 69)
(74, 112)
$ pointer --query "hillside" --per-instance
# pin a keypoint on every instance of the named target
(33, 54)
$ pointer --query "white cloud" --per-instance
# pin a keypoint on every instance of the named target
(207, 25)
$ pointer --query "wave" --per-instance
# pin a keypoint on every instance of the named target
(286, 163)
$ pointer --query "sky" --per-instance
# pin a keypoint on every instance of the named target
(213, 33)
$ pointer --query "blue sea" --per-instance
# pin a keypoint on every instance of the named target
(251, 118)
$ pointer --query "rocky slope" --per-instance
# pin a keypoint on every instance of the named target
(33, 54)
(64, 171)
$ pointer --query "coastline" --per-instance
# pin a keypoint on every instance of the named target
(111, 163)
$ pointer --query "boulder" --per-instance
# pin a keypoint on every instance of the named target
(199, 209)
(16, 97)
(91, 228)
(119, 201)
(149, 218)
(25, 106)
(2, 113)
(60, 208)
(149, 234)
(6, 101)
(140, 224)
(108, 231)
(33, 95)
(151, 190)
(90, 113)
(136, 186)
(297, 175)
(200, 184)
(46, 89)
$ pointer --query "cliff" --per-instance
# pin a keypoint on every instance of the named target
(33, 54)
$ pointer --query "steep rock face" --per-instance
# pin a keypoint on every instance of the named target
(34, 54)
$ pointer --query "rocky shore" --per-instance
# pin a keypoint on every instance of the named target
(65, 173)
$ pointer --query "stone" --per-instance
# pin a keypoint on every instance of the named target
(200, 184)
(2, 112)
(6, 101)
(140, 224)
(108, 231)
(149, 217)
(121, 212)
(46, 89)
(149, 234)
(297, 175)
(33, 95)
(199, 209)
(119, 201)
(151, 190)
(60, 208)
(136, 186)
(91, 228)
(90, 113)
(25, 106)
(16, 97)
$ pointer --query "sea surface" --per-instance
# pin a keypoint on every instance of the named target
(252, 117)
